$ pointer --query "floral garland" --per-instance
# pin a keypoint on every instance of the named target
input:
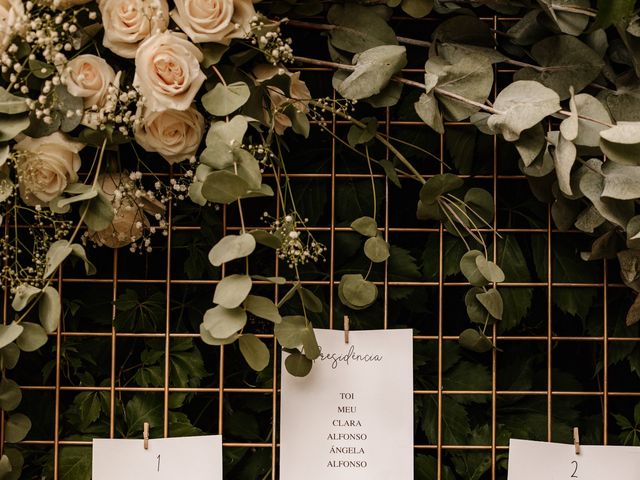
(89, 87)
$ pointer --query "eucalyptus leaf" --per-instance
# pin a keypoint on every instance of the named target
(492, 301)
(374, 68)
(9, 356)
(564, 157)
(231, 248)
(566, 61)
(470, 77)
(57, 253)
(621, 143)
(476, 311)
(97, 212)
(570, 22)
(17, 427)
(232, 290)
(569, 126)
(230, 133)
(365, 226)
(376, 249)
(223, 322)
(254, 351)
(267, 239)
(298, 365)
(439, 185)
(290, 331)
(589, 131)
(310, 300)
(262, 307)
(475, 341)
(358, 28)
(358, 135)
(209, 339)
(32, 338)
(224, 187)
(522, 105)
(12, 104)
(428, 110)
(470, 270)
(10, 395)
(23, 296)
(530, 144)
(310, 343)
(489, 270)
(50, 309)
(621, 181)
(225, 99)
(9, 333)
(356, 292)
(12, 125)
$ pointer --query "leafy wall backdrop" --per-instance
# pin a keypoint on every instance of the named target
(179, 208)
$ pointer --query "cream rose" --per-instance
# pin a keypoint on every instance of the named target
(217, 21)
(46, 166)
(168, 72)
(89, 77)
(127, 23)
(174, 134)
(298, 97)
(11, 14)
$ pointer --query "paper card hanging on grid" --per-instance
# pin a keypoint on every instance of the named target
(352, 416)
(195, 458)
(542, 460)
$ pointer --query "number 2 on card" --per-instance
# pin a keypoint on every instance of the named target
(575, 469)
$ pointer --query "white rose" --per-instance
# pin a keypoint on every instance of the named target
(297, 98)
(174, 134)
(89, 77)
(217, 21)
(168, 72)
(127, 23)
(11, 14)
(46, 166)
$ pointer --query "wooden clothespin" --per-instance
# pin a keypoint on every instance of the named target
(346, 329)
(576, 439)
(145, 435)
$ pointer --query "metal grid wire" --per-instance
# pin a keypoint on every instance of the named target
(446, 291)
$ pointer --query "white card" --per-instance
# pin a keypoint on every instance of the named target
(195, 458)
(557, 461)
(352, 416)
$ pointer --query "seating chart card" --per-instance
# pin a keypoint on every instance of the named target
(195, 458)
(352, 416)
(555, 461)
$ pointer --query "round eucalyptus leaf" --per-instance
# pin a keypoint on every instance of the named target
(224, 187)
(310, 343)
(32, 338)
(254, 351)
(298, 365)
(438, 186)
(475, 341)
(16, 428)
(267, 239)
(470, 270)
(621, 143)
(479, 203)
(310, 300)
(223, 322)
(475, 310)
(9, 356)
(24, 294)
(356, 292)
(376, 249)
(290, 331)
(50, 309)
(211, 340)
(8, 333)
(262, 307)
(489, 270)
(366, 226)
(226, 99)
(232, 290)
(491, 300)
(10, 395)
(232, 247)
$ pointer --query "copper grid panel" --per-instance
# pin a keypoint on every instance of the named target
(218, 392)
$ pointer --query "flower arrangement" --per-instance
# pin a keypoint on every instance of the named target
(93, 91)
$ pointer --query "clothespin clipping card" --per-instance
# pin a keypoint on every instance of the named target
(145, 435)
(346, 329)
(576, 439)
